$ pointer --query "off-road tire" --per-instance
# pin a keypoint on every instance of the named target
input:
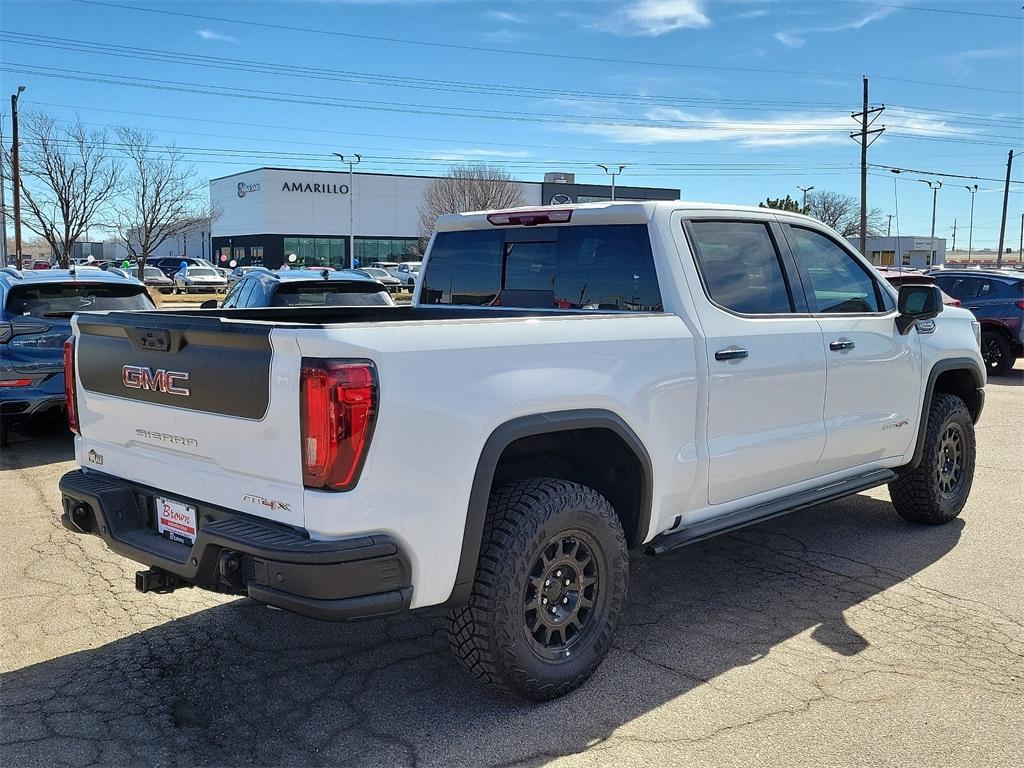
(491, 635)
(998, 353)
(918, 494)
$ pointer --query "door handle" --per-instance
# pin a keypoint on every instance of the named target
(730, 354)
(841, 344)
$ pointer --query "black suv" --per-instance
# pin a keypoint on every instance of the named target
(997, 300)
(304, 288)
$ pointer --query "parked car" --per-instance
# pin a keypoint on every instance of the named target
(382, 276)
(595, 378)
(238, 273)
(196, 279)
(897, 277)
(386, 265)
(35, 321)
(170, 265)
(407, 272)
(304, 288)
(153, 278)
(997, 299)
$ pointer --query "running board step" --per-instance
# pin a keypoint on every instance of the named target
(744, 517)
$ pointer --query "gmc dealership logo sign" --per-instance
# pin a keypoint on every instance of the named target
(316, 189)
(244, 189)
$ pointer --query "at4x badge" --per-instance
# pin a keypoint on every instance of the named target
(271, 503)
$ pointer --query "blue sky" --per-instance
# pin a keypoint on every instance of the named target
(729, 100)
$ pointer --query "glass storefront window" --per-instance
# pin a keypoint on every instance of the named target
(370, 250)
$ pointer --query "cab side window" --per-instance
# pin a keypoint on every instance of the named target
(231, 300)
(741, 267)
(247, 297)
(838, 282)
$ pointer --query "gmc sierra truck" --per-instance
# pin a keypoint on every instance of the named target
(568, 384)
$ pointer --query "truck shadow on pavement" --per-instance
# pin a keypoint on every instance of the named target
(796, 610)
(38, 443)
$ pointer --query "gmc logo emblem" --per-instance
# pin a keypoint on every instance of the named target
(142, 377)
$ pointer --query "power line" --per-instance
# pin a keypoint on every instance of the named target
(724, 126)
(922, 9)
(517, 52)
(938, 173)
(372, 78)
(457, 86)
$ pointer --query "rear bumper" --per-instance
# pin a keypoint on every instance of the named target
(367, 576)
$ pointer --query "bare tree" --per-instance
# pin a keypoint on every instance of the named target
(163, 197)
(842, 213)
(467, 187)
(69, 177)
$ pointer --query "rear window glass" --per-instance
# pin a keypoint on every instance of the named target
(606, 267)
(327, 294)
(202, 272)
(55, 298)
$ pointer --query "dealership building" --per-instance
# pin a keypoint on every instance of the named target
(915, 252)
(265, 214)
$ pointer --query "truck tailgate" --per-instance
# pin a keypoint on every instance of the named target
(206, 408)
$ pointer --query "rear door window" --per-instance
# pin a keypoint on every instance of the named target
(594, 267)
(741, 267)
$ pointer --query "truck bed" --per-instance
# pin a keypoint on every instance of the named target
(319, 317)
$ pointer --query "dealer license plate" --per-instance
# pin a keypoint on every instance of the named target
(176, 520)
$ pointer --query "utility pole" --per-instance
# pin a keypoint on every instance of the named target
(888, 229)
(613, 174)
(3, 209)
(351, 205)
(954, 234)
(867, 117)
(805, 190)
(1020, 248)
(934, 186)
(16, 173)
(970, 233)
(1006, 199)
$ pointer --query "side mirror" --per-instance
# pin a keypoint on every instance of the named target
(209, 304)
(917, 302)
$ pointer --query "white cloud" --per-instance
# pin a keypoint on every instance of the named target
(795, 38)
(792, 130)
(209, 34)
(506, 16)
(651, 18)
(960, 63)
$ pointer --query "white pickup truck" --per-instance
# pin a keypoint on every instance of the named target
(568, 384)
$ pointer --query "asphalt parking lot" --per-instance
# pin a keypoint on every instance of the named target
(836, 636)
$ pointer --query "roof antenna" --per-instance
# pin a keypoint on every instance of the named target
(326, 274)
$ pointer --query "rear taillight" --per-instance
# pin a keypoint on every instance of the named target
(954, 302)
(15, 382)
(529, 218)
(70, 390)
(1020, 305)
(338, 408)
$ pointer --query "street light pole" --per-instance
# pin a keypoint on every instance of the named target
(613, 174)
(934, 186)
(896, 199)
(805, 190)
(970, 232)
(16, 173)
(351, 205)
(888, 229)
